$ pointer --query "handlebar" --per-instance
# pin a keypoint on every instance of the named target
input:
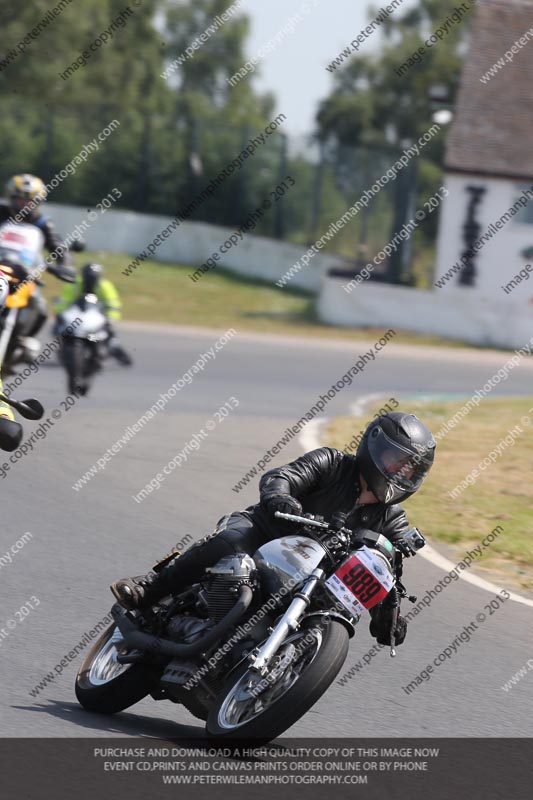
(410, 543)
(29, 409)
(313, 523)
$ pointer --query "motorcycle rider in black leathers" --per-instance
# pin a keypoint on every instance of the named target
(393, 458)
(24, 195)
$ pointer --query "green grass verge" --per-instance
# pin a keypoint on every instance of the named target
(158, 292)
(502, 495)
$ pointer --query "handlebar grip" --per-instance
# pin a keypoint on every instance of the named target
(302, 520)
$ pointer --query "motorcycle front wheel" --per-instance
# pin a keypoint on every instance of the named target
(251, 706)
(75, 363)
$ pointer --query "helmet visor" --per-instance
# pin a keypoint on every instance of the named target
(24, 204)
(399, 466)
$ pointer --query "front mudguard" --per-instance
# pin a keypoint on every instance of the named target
(350, 627)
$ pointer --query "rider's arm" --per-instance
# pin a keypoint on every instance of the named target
(395, 523)
(108, 295)
(70, 292)
(60, 265)
(300, 476)
(54, 243)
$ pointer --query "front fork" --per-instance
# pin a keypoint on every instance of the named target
(10, 320)
(260, 657)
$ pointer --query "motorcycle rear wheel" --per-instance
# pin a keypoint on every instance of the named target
(238, 716)
(103, 684)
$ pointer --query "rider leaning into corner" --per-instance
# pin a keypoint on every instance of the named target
(24, 195)
(10, 431)
(394, 456)
(91, 281)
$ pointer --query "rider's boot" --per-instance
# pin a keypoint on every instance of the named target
(171, 575)
(140, 592)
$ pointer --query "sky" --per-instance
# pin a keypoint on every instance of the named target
(296, 70)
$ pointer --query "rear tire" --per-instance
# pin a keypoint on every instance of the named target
(116, 694)
(290, 706)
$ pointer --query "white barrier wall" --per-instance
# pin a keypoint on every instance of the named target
(454, 314)
(192, 243)
(481, 318)
(481, 315)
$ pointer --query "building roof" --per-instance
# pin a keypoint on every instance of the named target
(492, 131)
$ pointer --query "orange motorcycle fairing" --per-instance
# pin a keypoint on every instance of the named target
(21, 296)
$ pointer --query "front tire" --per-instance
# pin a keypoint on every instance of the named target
(103, 684)
(238, 716)
(74, 360)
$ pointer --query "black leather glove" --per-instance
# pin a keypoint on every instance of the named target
(284, 503)
(381, 622)
(403, 547)
(64, 272)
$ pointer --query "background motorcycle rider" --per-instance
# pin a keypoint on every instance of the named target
(10, 431)
(393, 458)
(90, 280)
(24, 195)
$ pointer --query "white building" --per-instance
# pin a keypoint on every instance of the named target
(483, 283)
(489, 161)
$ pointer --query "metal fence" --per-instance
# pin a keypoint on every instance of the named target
(160, 169)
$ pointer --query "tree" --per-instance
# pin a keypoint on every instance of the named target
(379, 106)
(372, 104)
(175, 134)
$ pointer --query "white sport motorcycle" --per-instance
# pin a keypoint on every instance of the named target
(22, 260)
(22, 247)
(84, 341)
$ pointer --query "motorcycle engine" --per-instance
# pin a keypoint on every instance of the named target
(226, 578)
(187, 629)
(219, 596)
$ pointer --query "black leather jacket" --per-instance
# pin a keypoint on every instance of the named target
(325, 481)
(52, 240)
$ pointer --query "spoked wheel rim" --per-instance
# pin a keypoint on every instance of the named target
(105, 667)
(252, 695)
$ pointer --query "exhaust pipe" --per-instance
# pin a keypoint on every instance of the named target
(148, 643)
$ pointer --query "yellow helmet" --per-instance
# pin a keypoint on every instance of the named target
(25, 189)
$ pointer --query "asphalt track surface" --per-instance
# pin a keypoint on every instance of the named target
(83, 540)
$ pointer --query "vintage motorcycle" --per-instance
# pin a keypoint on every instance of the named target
(259, 640)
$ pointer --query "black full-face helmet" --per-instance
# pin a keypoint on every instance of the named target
(90, 276)
(395, 455)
